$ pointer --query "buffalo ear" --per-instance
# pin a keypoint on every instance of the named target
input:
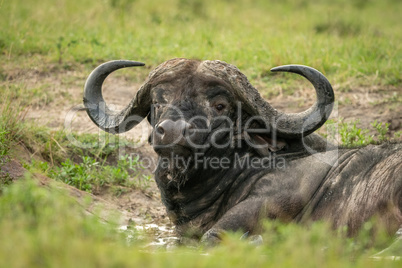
(264, 144)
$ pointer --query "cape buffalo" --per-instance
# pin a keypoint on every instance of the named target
(227, 158)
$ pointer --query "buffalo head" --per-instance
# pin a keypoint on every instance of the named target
(193, 105)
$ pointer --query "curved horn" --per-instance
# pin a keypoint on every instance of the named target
(97, 109)
(301, 124)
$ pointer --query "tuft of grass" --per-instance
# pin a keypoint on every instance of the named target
(382, 130)
(96, 174)
(91, 175)
(338, 27)
(98, 146)
(351, 135)
(4, 145)
(11, 129)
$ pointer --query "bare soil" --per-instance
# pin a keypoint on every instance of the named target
(65, 89)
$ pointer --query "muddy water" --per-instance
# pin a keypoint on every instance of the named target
(162, 236)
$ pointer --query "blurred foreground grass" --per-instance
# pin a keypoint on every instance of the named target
(43, 227)
(353, 42)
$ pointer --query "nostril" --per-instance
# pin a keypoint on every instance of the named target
(160, 130)
(170, 132)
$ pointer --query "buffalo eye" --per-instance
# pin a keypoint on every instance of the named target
(219, 107)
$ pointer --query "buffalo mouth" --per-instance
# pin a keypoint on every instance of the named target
(174, 164)
(173, 151)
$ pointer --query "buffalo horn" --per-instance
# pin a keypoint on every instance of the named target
(98, 111)
(294, 125)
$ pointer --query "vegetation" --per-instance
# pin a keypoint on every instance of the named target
(349, 134)
(91, 175)
(98, 165)
(355, 43)
(51, 230)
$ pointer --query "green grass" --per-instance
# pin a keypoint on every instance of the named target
(11, 129)
(44, 227)
(351, 134)
(93, 176)
(350, 41)
(35, 97)
(91, 169)
(98, 164)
